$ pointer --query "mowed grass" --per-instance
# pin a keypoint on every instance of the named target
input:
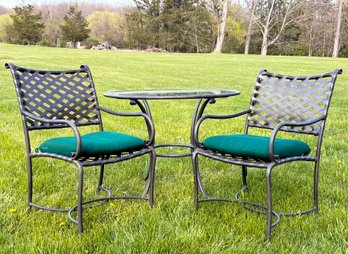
(172, 225)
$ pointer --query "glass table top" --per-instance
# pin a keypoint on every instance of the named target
(161, 94)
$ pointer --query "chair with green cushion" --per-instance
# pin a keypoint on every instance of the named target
(279, 103)
(68, 99)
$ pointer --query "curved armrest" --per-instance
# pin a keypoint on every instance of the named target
(219, 117)
(148, 120)
(60, 121)
(295, 124)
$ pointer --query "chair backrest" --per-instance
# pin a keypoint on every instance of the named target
(66, 95)
(281, 98)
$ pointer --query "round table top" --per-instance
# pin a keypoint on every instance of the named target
(162, 94)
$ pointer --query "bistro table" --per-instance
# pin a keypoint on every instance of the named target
(203, 97)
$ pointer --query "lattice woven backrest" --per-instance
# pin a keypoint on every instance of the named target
(56, 95)
(280, 98)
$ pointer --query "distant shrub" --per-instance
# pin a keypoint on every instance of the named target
(89, 43)
(45, 43)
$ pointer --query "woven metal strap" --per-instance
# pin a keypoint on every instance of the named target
(279, 98)
(57, 95)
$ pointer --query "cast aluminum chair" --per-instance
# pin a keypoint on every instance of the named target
(68, 99)
(279, 103)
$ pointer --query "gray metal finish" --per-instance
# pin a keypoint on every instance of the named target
(204, 96)
(68, 99)
(297, 104)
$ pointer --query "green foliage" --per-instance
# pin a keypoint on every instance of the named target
(5, 28)
(235, 33)
(291, 48)
(28, 27)
(74, 27)
(344, 50)
(90, 42)
(106, 27)
(138, 35)
(179, 26)
(52, 33)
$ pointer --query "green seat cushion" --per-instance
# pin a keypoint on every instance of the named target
(93, 144)
(256, 147)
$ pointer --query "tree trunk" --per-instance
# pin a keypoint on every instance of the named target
(265, 32)
(310, 45)
(311, 39)
(336, 47)
(250, 25)
(221, 34)
(197, 44)
(264, 46)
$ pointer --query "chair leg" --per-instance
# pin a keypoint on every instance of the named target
(244, 178)
(80, 198)
(315, 187)
(152, 177)
(30, 182)
(195, 178)
(101, 177)
(269, 202)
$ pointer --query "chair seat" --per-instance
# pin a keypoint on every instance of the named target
(256, 147)
(93, 144)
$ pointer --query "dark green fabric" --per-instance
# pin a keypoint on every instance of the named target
(256, 147)
(93, 144)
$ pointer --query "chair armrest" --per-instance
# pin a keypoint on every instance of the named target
(148, 120)
(280, 125)
(60, 121)
(219, 117)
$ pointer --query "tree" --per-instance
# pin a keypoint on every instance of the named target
(137, 24)
(144, 24)
(316, 27)
(74, 27)
(52, 33)
(5, 28)
(234, 32)
(222, 26)
(338, 28)
(251, 21)
(28, 26)
(105, 26)
(174, 25)
(273, 18)
(200, 30)
(186, 26)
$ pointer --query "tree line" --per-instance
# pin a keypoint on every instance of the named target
(276, 27)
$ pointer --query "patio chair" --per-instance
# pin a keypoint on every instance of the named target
(279, 103)
(68, 99)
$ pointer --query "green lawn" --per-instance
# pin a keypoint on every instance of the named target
(173, 225)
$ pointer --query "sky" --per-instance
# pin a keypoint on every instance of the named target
(12, 3)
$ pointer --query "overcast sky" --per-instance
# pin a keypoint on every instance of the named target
(12, 3)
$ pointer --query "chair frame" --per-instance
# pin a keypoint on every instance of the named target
(28, 82)
(314, 126)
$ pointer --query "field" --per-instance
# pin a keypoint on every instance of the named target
(172, 225)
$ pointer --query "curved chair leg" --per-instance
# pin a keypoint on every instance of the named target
(101, 177)
(30, 182)
(269, 202)
(195, 178)
(80, 197)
